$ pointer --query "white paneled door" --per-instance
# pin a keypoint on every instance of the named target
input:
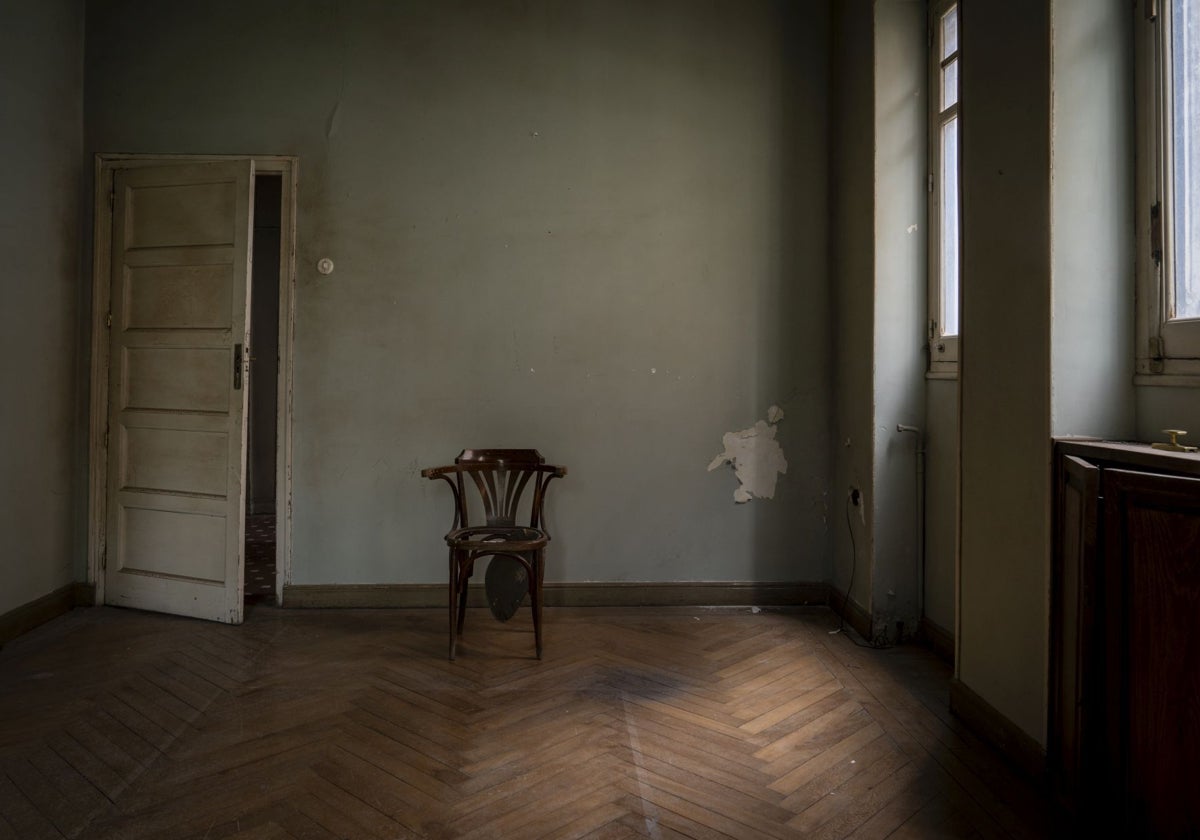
(179, 358)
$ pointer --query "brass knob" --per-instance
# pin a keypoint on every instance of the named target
(1174, 445)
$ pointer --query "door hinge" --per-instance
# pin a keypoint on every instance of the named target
(1156, 233)
(931, 330)
(1151, 10)
(1156, 347)
(108, 320)
(929, 185)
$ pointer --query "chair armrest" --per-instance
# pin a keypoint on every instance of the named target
(439, 472)
(444, 474)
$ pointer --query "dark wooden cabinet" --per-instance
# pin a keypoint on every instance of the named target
(1124, 729)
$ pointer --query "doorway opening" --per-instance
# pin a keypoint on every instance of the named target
(262, 434)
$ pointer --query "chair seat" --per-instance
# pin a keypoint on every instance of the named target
(498, 538)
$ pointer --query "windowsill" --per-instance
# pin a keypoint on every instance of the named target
(943, 359)
(1167, 373)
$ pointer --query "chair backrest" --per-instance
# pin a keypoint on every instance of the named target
(501, 478)
(492, 456)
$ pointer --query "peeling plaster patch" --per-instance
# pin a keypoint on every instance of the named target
(756, 457)
(911, 228)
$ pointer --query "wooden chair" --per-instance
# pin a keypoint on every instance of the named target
(500, 478)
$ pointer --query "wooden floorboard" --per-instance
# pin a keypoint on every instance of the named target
(638, 723)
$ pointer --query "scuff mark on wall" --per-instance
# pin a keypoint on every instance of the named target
(756, 457)
(331, 123)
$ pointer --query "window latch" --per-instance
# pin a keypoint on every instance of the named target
(1151, 8)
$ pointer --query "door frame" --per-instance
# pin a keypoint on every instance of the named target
(105, 167)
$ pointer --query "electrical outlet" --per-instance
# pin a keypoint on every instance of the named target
(856, 499)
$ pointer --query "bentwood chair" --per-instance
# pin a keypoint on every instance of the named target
(500, 478)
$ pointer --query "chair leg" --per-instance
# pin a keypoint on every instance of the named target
(453, 603)
(535, 596)
(462, 597)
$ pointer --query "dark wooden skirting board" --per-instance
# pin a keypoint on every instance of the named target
(1025, 754)
(938, 638)
(28, 616)
(719, 594)
(851, 612)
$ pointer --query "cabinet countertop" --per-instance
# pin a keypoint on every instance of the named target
(1132, 454)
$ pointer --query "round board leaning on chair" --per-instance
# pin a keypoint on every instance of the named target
(496, 482)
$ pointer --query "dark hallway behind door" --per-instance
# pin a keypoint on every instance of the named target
(264, 375)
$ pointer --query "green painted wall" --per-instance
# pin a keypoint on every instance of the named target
(44, 415)
(598, 229)
(1005, 359)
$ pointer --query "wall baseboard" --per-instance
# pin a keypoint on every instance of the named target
(714, 594)
(85, 594)
(851, 613)
(24, 618)
(939, 639)
(1019, 748)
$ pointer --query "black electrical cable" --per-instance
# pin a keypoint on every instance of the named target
(853, 567)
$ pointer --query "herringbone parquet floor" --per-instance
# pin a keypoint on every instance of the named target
(352, 724)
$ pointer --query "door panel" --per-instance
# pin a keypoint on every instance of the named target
(184, 214)
(175, 460)
(192, 379)
(151, 537)
(180, 297)
(177, 424)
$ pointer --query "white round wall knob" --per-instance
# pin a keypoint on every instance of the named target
(325, 265)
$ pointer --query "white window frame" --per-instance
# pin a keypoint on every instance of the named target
(1168, 351)
(943, 349)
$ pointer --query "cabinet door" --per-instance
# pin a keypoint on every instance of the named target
(1073, 708)
(1152, 565)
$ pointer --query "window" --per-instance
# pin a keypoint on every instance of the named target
(1169, 131)
(944, 204)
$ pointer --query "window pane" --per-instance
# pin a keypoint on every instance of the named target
(1185, 72)
(949, 84)
(948, 234)
(950, 32)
